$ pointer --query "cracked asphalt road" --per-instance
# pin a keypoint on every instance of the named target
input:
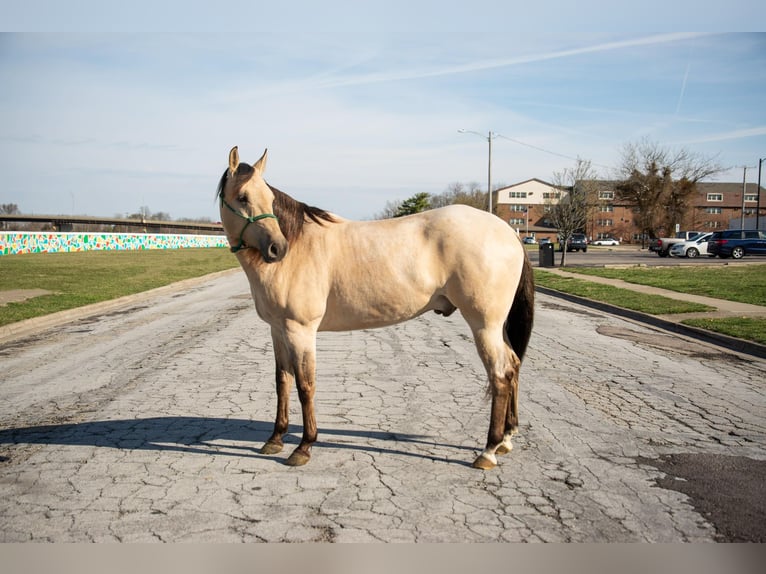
(144, 424)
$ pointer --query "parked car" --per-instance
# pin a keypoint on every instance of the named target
(529, 241)
(662, 245)
(693, 248)
(545, 240)
(578, 242)
(737, 243)
(606, 241)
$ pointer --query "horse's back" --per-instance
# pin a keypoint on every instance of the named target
(383, 272)
(472, 234)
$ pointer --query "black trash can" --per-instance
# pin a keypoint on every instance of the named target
(546, 255)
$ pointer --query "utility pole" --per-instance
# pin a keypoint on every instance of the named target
(758, 201)
(489, 171)
(742, 217)
(490, 136)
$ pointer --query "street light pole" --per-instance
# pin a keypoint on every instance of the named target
(758, 201)
(744, 188)
(489, 171)
(489, 137)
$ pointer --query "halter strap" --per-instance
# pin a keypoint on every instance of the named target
(251, 219)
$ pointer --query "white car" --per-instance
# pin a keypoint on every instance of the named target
(692, 248)
(607, 241)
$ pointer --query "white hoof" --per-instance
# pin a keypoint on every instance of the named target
(485, 461)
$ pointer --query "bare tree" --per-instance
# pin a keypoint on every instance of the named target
(569, 214)
(660, 182)
(456, 193)
(390, 210)
(459, 193)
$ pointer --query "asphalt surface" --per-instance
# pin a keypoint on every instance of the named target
(143, 423)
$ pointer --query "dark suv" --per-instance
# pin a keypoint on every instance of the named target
(737, 243)
(577, 242)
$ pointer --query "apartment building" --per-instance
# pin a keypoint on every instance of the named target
(715, 205)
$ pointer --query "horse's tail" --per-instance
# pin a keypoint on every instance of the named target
(518, 325)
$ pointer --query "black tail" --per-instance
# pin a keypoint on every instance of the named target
(518, 325)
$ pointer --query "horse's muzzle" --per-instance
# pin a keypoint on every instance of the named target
(273, 251)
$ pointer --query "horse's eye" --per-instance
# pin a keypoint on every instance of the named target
(242, 198)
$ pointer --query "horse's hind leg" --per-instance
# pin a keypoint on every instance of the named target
(511, 417)
(502, 366)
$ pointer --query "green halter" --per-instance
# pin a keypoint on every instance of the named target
(253, 219)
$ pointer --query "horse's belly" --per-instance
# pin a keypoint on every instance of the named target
(349, 316)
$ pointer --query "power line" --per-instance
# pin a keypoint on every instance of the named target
(549, 151)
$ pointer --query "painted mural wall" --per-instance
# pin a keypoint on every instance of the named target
(15, 242)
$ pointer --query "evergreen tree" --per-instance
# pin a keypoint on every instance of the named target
(415, 204)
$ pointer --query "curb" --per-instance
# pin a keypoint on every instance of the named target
(28, 327)
(717, 339)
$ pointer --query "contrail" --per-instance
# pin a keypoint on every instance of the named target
(396, 75)
(683, 88)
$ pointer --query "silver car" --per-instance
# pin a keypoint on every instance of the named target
(692, 248)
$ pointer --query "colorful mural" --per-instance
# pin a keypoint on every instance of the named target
(14, 242)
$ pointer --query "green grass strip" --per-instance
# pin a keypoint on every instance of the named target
(650, 304)
(87, 277)
(748, 328)
(742, 283)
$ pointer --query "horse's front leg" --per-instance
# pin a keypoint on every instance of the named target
(302, 349)
(284, 380)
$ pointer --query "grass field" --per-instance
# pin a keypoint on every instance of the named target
(748, 328)
(745, 284)
(651, 304)
(742, 283)
(87, 277)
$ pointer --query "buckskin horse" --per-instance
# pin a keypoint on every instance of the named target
(311, 270)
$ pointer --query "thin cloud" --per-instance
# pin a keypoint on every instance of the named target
(478, 66)
(731, 135)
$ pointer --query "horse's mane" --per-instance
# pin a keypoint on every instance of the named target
(291, 213)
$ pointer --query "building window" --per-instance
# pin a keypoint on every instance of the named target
(604, 223)
(551, 195)
(606, 195)
(517, 207)
(516, 221)
(715, 197)
(751, 197)
(750, 211)
(712, 224)
(606, 208)
(517, 194)
(714, 210)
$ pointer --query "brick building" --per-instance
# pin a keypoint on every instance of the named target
(716, 205)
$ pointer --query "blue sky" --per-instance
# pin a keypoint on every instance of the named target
(102, 112)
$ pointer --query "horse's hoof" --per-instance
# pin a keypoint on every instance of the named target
(298, 458)
(271, 448)
(504, 448)
(485, 462)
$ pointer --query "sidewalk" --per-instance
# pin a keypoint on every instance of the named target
(672, 322)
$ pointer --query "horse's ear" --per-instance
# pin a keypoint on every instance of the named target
(233, 160)
(260, 165)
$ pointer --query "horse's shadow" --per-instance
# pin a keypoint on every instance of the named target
(211, 436)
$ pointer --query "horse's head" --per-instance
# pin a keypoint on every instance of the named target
(247, 209)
